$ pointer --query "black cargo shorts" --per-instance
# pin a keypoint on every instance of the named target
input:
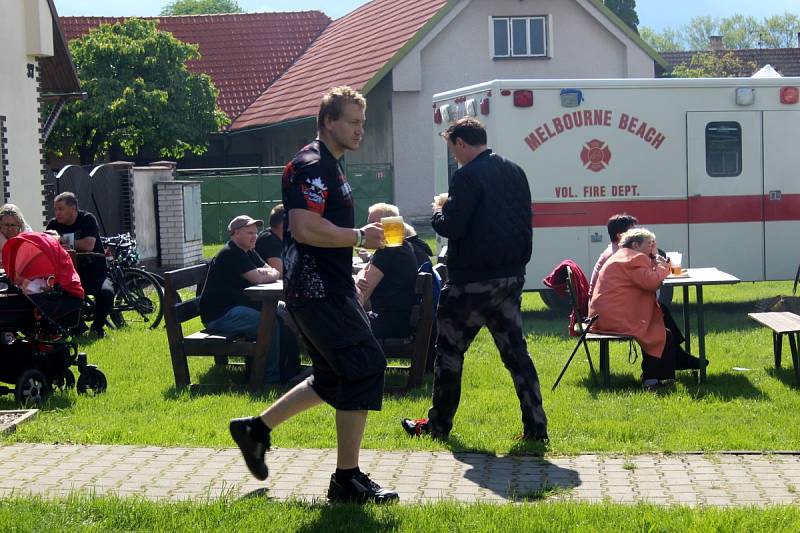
(348, 362)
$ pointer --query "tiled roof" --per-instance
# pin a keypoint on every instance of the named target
(351, 51)
(242, 52)
(58, 71)
(785, 60)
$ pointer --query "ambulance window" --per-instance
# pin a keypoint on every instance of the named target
(723, 149)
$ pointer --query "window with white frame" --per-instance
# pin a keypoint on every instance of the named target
(519, 36)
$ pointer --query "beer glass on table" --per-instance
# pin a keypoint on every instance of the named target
(675, 260)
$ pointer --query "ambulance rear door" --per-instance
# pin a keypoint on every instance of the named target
(725, 189)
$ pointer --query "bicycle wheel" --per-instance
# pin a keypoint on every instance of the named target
(139, 303)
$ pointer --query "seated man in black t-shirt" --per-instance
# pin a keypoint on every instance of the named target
(80, 229)
(386, 286)
(269, 244)
(224, 308)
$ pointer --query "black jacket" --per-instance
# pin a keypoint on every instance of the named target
(487, 220)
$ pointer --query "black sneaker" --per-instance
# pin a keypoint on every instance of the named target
(359, 489)
(252, 450)
(416, 427)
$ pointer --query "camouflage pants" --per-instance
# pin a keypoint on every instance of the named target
(463, 310)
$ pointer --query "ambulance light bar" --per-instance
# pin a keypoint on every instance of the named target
(523, 98)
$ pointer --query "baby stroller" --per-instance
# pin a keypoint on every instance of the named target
(42, 302)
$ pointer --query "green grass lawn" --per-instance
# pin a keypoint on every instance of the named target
(111, 514)
(751, 409)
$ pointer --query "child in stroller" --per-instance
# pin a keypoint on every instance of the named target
(43, 301)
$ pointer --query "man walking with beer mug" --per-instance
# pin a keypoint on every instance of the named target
(486, 218)
(320, 294)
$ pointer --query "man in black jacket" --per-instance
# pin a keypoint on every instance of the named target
(486, 218)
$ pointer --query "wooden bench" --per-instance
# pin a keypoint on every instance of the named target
(200, 343)
(415, 347)
(782, 323)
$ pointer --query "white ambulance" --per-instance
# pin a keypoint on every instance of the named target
(711, 166)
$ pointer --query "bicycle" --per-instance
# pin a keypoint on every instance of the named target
(138, 294)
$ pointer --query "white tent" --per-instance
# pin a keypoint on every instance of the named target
(766, 72)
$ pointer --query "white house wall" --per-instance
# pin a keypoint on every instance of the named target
(19, 101)
(457, 53)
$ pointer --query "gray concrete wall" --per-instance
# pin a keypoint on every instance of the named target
(457, 53)
(143, 180)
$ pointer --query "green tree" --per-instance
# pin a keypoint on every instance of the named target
(141, 98)
(626, 10)
(668, 40)
(714, 65)
(780, 31)
(200, 7)
(739, 32)
(699, 31)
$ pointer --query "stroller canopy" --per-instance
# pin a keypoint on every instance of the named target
(39, 255)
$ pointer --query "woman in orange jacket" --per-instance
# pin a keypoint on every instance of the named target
(624, 299)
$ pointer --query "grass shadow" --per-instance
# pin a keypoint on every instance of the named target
(349, 517)
(784, 374)
(395, 386)
(57, 401)
(619, 383)
(725, 387)
(518, 478)
(223, 379)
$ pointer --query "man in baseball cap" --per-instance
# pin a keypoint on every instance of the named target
(224, 308)
(242, 221)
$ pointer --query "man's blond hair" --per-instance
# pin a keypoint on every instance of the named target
(332, 104)
(384, 210)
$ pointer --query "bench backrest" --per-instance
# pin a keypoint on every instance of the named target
(176, 311)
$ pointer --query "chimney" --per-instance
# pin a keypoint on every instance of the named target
(798, 39)
(715, 43)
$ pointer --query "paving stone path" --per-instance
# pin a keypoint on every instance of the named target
(203, 473)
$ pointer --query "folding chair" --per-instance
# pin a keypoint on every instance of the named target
(585, 325)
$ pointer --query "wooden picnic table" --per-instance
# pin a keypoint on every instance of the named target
(269, 294)
(698, 277)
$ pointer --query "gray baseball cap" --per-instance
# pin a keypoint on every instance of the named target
(242, 221)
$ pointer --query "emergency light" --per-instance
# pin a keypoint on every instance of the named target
(571, 97)
(470, 108)
(745, 96)
(485, 106)
(447, 114)
(523, 98)
(790, 95)
(437, 115)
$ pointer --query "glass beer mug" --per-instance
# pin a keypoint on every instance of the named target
(394, 231)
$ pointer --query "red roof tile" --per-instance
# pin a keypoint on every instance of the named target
(351, 51)
(242, 52)
(784, 60)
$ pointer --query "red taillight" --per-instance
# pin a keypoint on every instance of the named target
(523, 98)
(790, 95)
(485, 106)
(437, 116)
